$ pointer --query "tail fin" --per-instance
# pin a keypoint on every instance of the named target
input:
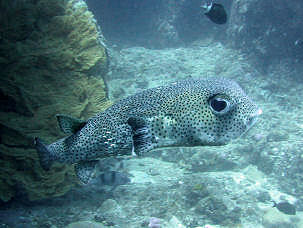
(43, 153)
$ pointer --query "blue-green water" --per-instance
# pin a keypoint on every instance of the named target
(149, 45)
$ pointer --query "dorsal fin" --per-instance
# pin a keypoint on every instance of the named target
(68, 124)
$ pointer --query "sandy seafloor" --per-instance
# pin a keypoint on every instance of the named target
(229, 186)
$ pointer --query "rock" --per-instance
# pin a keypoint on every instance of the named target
(174, 223)
(277, 136)
(112, 213)
(222, 197)
(263, 28)
(213, 208)
(85, 224)
(274, 218)
(52, 61)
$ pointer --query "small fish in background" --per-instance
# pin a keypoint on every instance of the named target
(110, 172)
(214, 11)
(285, 207)
(113, 178)
(108, 180)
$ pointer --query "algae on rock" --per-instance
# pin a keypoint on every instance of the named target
(51, 60)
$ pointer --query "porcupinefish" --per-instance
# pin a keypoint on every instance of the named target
(187, 113)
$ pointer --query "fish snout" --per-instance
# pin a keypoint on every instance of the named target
(252, 119)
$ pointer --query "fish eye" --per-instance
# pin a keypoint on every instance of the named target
(219, 105)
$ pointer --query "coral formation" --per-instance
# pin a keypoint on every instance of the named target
(51, 61)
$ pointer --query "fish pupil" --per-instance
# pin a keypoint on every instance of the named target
(218, 105)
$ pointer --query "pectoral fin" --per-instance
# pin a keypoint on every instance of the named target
(143, 140)
(68, 124)
(86, 171)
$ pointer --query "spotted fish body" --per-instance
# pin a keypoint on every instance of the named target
(193, 112)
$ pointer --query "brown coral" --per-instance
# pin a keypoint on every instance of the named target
(51, 62)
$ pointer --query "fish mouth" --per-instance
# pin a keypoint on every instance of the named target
(253, 118)
(251, 121)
